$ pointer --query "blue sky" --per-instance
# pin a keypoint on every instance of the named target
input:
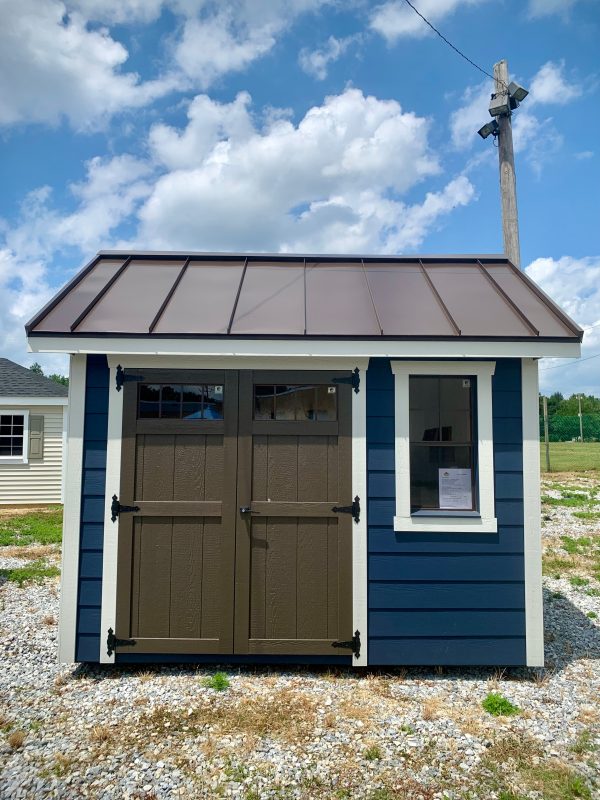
(295, 125)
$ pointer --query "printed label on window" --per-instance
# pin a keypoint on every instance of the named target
(455, 488)
(466, 383)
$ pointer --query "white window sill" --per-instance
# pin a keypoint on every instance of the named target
(441, 524)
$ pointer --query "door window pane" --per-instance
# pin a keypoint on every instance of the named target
(264, 402)
(295, 403)
(192, 402)
(326, 404)
(149, 400)
(213, 403)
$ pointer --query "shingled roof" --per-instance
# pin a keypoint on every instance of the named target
(18, 381)
(244, 295)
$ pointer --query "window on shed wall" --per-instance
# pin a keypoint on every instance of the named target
(442, 453)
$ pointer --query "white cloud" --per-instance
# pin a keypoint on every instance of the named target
(316, 62)
(222, 37)
(53, 66)
(549, 85)
(573, 283)
(545, 8)
(395, 19)
(331, 182)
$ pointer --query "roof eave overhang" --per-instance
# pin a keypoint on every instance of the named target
(330, 346)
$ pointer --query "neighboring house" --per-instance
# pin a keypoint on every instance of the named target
(33, 418)
(316, 459)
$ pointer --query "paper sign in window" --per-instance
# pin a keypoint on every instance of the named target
(455, 488)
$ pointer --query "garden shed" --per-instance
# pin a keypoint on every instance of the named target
(302, 459)
(33, 428)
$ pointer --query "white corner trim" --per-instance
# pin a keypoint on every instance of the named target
(111, 529)
(403, 521)
(24, 458)
(72, 512)
(359, 529)
(534, 607)
(356, 348)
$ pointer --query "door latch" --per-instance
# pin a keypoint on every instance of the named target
(354, 509)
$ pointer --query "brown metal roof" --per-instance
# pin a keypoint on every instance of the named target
(320, 296)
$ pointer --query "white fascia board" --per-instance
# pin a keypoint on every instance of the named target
(33, 401)
(156, 346)
(534, 606)
(453, 523)
(72, 512)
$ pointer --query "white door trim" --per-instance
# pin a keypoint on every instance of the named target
(359, 472)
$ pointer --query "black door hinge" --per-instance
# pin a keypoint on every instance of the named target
(116, 508)
(112, 642)
(354, 509)
(122, 377)
(353, 380)
(351, 644)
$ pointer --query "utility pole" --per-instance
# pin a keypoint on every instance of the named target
(508, 182)
(505, 99)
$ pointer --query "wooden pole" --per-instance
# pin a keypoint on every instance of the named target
(508, 183)
(580, 420)
(546, 439)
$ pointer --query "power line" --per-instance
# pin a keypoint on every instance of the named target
(577, 361)
(449, 43)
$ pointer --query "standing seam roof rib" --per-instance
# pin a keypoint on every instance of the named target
(296, 295)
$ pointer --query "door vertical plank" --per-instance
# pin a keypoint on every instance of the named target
(283, 468)
(159, 467)
(312, 579)
(258, 579)
(189, 465)
(282, 536)
(213, 624)
(185, 607)
(155, 577)
(334, 596)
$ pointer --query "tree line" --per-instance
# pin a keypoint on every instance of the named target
(37, 368)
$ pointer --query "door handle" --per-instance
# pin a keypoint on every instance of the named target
(245, 509)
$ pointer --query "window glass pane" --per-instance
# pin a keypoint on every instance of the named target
(18, 419)
(326, 402)
(264, 402)
(213, 402)
(5, 419)
(455, 409)
(425, 463)
(4, 448)
(424, 416)
(192, 402)
(149, 400)
(295, 402)
(170, 401)
(5, 430)
(17, 446)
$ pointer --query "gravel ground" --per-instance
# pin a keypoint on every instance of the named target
(162, 733)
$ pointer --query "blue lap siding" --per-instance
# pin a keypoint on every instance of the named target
(446, 598)
(92, 510)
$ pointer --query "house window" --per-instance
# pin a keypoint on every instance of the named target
(13, 436)
(442, 454)
(444, 446)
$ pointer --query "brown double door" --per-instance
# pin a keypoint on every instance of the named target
(234, 546)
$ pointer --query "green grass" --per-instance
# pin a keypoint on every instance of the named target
(571, 456)
(575, 546)
(373, 753)
(219, 682)
(576, 581)
(499, 706)
(589, 516)
(38, 527)
(32, 573)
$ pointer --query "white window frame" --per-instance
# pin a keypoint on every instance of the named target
(482, 521)
(23, 459)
